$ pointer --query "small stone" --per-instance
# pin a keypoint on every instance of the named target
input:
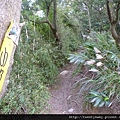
(97, 50)
(64, 72)
(90, 62)
(64, 112)
(69, 97)
(118, 69)
(94, 70)
(99, 57)
(70, 110)
(99, 64)
(118, 72)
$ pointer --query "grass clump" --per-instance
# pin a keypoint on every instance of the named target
(101, 57)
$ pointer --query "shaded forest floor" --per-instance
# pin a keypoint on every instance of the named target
(66, 100)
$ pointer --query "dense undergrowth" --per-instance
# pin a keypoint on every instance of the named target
(36, 65)
(101, 56)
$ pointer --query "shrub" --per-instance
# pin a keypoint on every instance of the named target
(33, 71)
(102, 59)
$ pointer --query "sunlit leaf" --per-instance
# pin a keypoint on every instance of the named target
(94, 99)
(103, 95)
(94, 93)
(106, 98)
(97, 102)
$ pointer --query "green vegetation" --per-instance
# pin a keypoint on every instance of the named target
(99, 99)
(47, 40)
(103, 60)
(37, 61)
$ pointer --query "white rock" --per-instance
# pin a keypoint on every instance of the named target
(118, 72)
(90, 62)
(99, 57)
(96, 50)
(94, 70)
(64, 112)
(99, 64)
(64, 72)
(70, 110)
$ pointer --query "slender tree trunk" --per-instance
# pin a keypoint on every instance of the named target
(53, 25)
(55, 32)
(55, 14)
(115, 35)
(113, 18)
(89, 17)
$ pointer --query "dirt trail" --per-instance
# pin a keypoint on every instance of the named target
(65, 99)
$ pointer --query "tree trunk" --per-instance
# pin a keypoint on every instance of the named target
(9, 10)
(113, 18)
(89, 17)
(115, 35)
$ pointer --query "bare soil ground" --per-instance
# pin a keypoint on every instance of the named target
(66, 100)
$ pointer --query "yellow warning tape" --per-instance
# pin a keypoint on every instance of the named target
(5, 55)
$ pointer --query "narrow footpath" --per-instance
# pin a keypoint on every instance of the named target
(65, 98)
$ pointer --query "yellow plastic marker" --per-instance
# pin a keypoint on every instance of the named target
(5, 55)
